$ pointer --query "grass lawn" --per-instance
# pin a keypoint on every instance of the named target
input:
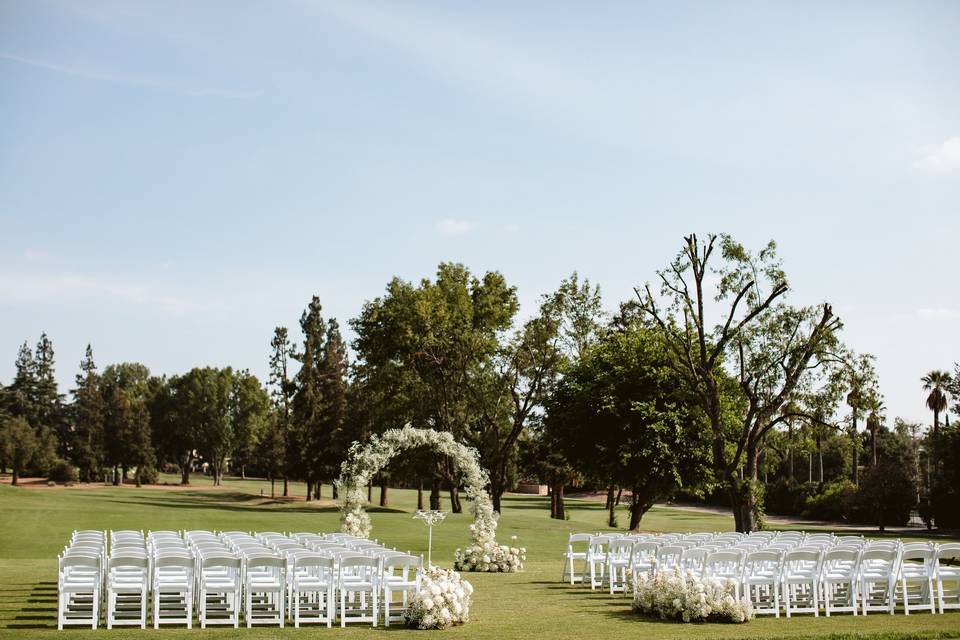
(35, 524)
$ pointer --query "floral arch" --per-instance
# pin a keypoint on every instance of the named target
(365, 460)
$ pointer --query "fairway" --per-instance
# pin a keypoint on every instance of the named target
(37, 522)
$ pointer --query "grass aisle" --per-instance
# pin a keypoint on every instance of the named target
(36, 523)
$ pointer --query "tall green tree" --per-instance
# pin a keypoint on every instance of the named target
(281, 393)
(204, 401)
(87, 413)
(175, 435)
(334, 388)
(861, 381)
(250, 416)
(743, 323)
(623, 416)
(48, 403)
(127, 433)
(311, 438)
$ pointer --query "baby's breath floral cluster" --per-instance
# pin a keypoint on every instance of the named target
(443, 600)
(365, 460)
(486, 555)
(678, 595)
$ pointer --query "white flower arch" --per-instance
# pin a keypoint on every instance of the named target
(365, 460)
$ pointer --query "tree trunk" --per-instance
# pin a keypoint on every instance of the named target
(873, 446)
(383, 493)
(123, 473)
(243, 472)
(420, 495)
(639, 505)
(185, 469)
(611, 509)
(16, 477)
(334, 492)
(286, 487)
(435, 494)
(273, 483)
(856, 453)
(136, 478)
(609, 503)
(370, 491)
(455, 505)
(790, 450)
(559, 506)
(616, 502)
(116, 476)
(309, 490)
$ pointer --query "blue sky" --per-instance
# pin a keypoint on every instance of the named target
(177, 178)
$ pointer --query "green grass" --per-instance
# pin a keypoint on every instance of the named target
(35, 524)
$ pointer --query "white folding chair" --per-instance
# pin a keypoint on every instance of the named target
(597, 559)
(127, 584)
(916, 575)
(312, 589)
(800, 581)
(877, 579)
(78, 590)
(264, 589)
(400, 575)
(219, 590)
(356, 578)
(761, 580)
(692, 560)
(573, 555)
(619, 554)
(839, 575)
(948, 576)
(668, 557)
(725, 566)
(172, 588)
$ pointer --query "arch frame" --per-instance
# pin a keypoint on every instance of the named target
(366, 459)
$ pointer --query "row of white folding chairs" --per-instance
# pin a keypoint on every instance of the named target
(841, 569)
(80, 579)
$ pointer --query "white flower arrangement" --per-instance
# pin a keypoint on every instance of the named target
(442, 601)
(675, 595)
(364, 461)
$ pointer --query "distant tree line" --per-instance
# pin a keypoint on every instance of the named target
(706, 386)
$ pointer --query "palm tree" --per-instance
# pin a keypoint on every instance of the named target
(936, 382)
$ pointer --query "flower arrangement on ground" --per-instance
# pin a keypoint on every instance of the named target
(678, 595)
(365, 460)
(486, 555)
(443, 600)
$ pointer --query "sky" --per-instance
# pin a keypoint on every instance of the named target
(178, 178)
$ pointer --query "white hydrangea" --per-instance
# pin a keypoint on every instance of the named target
(364, 461)
(442, 601)
(675, 595)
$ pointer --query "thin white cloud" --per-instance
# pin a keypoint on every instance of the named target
(469, 58)
(71, 288)
(454, 226)
(939, 313)
(134, 80)
(942, 159)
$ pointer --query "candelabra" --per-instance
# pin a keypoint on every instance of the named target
(430, 518)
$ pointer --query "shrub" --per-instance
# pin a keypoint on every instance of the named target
(62, 471)
(832, 503)
(443, 600)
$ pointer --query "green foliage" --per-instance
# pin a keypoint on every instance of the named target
(888, 491)
(946, 480)
(621, 415)
(87, 445)
(62, 471)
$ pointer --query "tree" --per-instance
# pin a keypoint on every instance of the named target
(936, 383)
(19, 445)
(435, 337)
(249, 417)
(281, 392)
(309, 430)
(174, 435)
(768, 344)
(127, 433)
(204, 403)
(334, 388)
(861, 381)
(87, 412)
(47, 401)
(22, 391)
(888, 491)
